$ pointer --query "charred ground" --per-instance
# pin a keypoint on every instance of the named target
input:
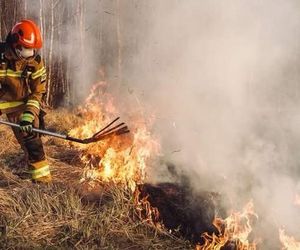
(67, 214)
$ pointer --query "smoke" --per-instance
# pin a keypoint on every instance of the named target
(81, 36)
(222, 78)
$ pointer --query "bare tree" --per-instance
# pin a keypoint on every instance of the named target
(64, 26)
(49, 82)
(119, 42)
(41, 19)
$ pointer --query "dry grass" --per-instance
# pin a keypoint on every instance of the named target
(65, 215)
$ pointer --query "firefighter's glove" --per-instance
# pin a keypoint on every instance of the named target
(26, 122)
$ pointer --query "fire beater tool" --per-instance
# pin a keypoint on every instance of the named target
(104, 133)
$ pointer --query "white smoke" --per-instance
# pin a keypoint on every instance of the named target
(222, 78)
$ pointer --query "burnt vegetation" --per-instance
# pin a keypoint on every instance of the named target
(72, 214)
(68, 214)
(182, 212)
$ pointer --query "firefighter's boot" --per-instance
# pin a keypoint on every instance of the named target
(40, 172)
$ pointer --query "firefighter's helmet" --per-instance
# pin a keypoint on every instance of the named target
(26, 34)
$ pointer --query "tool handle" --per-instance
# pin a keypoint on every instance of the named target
(36, 130)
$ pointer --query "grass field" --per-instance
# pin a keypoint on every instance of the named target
(66, 214)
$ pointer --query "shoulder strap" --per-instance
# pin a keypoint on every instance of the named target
(2, 46)
(2, 50)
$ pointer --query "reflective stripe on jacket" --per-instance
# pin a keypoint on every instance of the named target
(22, 82)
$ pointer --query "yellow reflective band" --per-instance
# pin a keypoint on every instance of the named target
(34, 103)
(12, 73)
(39, 73)
(41, 172)
(27, 117)
(39, 164)
(7, 105)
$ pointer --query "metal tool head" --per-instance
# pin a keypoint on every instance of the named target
(108, 132)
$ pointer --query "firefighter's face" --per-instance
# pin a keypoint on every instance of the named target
(24, 52)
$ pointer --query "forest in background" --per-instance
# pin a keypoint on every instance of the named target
(82, 42)
(219, 79)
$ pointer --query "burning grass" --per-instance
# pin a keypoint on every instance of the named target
(100, 198)
(65, 215)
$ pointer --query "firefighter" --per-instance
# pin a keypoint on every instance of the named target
(22, 86)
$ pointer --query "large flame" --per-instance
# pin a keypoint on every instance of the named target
(122, 159)
(288, 242)
(234, 230)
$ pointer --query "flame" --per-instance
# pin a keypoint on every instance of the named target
(121, 160)
(288, 242)
(234, 230)
(297, 200)
(145, 211)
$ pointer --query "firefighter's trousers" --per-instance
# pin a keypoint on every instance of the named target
(32, 145)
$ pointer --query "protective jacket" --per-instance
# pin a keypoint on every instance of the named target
(22, 86)
(22, 82)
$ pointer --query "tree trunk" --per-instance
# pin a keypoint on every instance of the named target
(119, 43)
(41, 22)
(25, 8)
(49, 82)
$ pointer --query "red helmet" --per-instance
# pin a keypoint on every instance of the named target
(27, 34)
